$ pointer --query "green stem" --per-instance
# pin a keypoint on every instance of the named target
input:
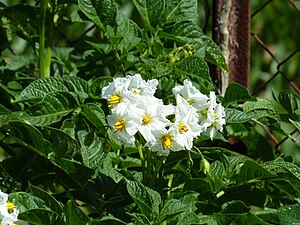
(170, 185)
(140, 150)
(44, 60)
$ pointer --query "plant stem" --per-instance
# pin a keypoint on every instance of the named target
(44, 60)
(140, 150)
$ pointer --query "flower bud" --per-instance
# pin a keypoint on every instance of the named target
(204, 166)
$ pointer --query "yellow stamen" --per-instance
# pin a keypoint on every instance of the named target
(119, 125)
(146, 120)
(114, 99)
(10, 206)
(182, 128)
(166, 141)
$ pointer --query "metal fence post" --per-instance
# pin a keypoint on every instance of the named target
(231, 31)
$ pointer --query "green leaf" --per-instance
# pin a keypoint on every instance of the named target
(38, 89)
(51, 109)
(5, 115)
(127, 32)
(141, 6)
(252, 170)
(73, 215)
(285, 215)
(107, 220)
(25, 201)
(183, 32)
(41, 217)
(101, 12)
(48, 199)
(140, 219)
(236, 116)
(146, 199)
(95, 115)
(201, 186)
(30, 137)
(195, 67)
(77, 172)
(96, 87)
(213, 54)
(91, 152)
(234, 207)
(172, 208)
(62, 144)
(236, 93)
(290, 101)
(180, 10)
(263, 111)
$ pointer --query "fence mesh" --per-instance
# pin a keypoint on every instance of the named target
(275, 57)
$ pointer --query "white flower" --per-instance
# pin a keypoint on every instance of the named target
(139, 86)
(9, 213)
(213, 117)
(153, 116)
(125, 123)
(191, 94)
(186, 122)
(166, 141)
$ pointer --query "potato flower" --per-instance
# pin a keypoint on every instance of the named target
(8, 211)
(186, 122)
(153, 116)
(125, 123)
(213, 117)
(191, 94)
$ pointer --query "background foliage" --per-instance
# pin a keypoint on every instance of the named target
(61, 163)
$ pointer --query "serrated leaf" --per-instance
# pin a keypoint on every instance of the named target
(252, 170)
(101, 12)
(180, 10)
(214, 55)
(73, 215)
(48, 199)
(51, 109)
(38, 89)
(146, 199)
(25, 201)
(31, 137)
(92, 153)
(236, 93)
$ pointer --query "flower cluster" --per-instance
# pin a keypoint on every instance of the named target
(9, 213)
(134, 108)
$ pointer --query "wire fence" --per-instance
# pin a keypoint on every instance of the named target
(275, 47)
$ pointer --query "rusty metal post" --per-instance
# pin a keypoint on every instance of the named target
(231, 31)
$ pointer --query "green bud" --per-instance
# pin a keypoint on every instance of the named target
(204, 166)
